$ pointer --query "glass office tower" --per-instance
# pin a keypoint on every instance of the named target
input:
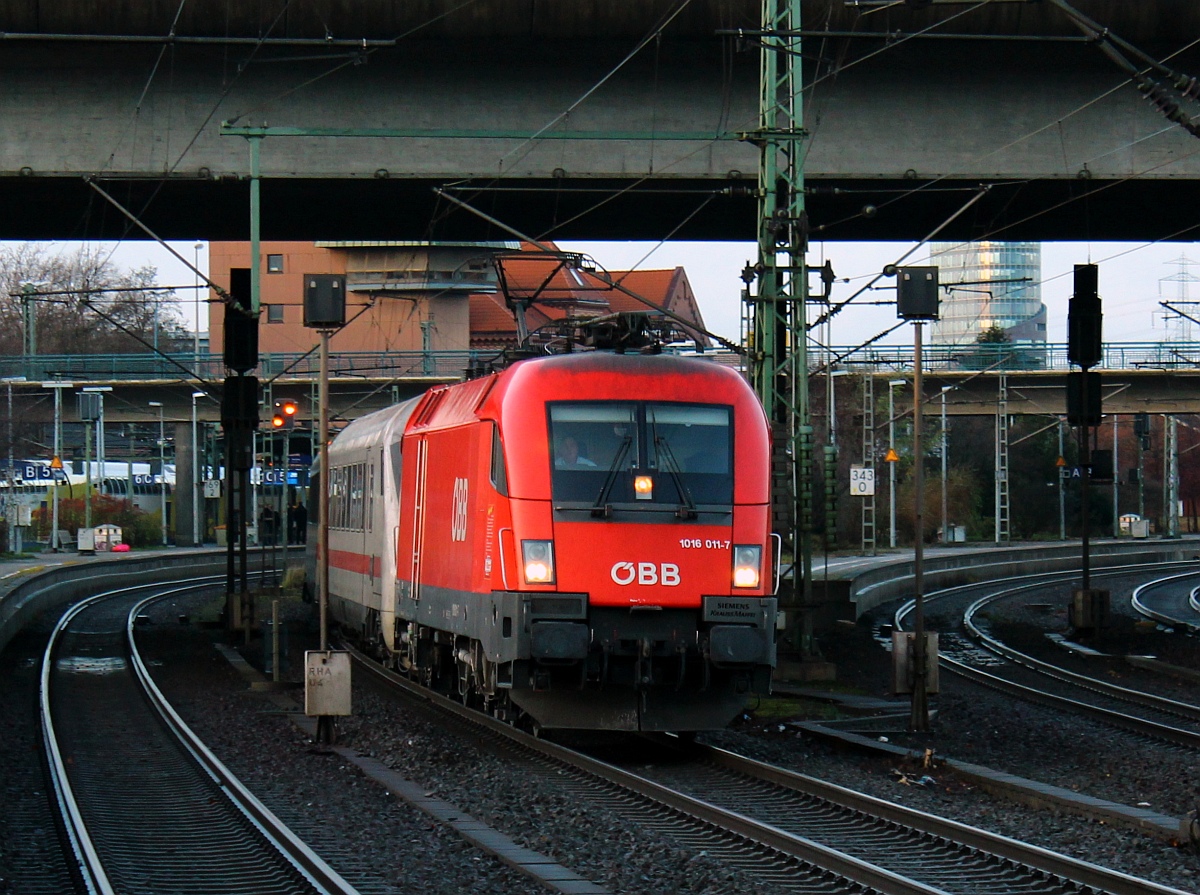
(1000, 287)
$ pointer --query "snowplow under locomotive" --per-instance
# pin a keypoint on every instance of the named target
(581, 540)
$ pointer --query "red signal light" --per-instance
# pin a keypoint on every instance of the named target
(285, 415)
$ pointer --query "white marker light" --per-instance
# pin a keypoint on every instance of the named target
(747, 562)
(538, 560)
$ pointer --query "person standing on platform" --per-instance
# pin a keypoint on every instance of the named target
(301, 523)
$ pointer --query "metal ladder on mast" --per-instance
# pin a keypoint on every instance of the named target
(1003, 515)
(868, 459)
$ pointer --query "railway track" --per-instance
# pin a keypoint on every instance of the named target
(145, 806)
(1021, 675)
(767, 847)
(1174, 600)
(793, 831)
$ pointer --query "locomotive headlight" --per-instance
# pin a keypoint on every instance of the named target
(747, 561)
(538, 557)
(643, 487)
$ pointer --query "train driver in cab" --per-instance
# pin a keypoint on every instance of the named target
(567, 455)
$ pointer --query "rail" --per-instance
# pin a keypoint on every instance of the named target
(28, 593)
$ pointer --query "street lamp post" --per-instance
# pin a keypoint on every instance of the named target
(58, 387)
(1062, 498)
(892, 466)
(162, 471)
(99, 390)
(101, 453)
(1116, 453)
(195, 475)
(945, 446)
(101, 458)
(196, 303)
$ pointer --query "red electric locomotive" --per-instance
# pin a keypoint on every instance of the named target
(581, 540)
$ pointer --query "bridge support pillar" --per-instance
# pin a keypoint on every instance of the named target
(184, 499)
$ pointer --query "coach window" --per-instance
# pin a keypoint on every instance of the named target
(336, 497)
(342, 501)
(356, 497)
(331, 493)
(369, 522)
(397, 466)
(274, 263)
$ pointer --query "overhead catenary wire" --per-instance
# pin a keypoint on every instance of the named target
(1023, 138)
(836, 308)
(1174, 160)
(137, 106)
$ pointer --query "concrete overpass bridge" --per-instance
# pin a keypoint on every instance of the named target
(624, 119)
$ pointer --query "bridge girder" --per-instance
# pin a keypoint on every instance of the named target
(897, 141)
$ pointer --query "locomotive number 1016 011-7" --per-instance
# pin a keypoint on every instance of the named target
(702, 544)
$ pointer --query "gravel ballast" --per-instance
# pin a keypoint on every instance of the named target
(387, 846)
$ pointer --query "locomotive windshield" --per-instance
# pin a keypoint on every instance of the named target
(642, 453)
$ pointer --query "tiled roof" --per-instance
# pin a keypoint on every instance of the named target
(655, 285)
(558, 292)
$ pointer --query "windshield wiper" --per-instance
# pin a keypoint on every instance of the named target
(688, 509)
(602, 507)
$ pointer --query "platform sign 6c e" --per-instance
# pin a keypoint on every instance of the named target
(862, 481)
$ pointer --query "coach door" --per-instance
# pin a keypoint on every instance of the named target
(419, 505)
(374, 505)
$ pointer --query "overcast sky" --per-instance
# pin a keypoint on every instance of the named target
(1134, 279)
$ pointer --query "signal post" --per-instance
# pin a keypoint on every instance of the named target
(1088, 609)
(324, 311)
(239, 419)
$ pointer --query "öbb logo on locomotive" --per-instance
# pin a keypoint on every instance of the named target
(458, 524)
(645, 573)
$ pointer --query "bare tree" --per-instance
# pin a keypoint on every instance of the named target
(73, 311)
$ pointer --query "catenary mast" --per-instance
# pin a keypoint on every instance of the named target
(777, 341)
